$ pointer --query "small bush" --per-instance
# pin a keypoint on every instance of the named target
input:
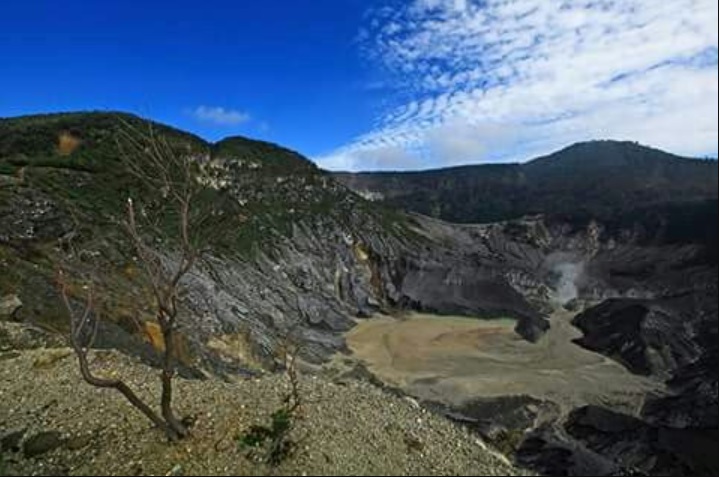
(274, 438)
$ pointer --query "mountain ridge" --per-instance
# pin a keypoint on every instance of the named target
(603, 178)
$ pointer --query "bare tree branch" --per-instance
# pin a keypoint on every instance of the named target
(158, 168)
(79, 324)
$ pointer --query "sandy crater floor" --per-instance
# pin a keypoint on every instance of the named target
(453, 359)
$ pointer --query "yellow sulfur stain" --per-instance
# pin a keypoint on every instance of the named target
(67, 143)
(360, 252)
(153, 334)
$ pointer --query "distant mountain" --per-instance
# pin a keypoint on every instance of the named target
(601, 180)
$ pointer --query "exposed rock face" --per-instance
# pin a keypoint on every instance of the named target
(665, 325)
(693, 402)
(645, 335)
(494, 417)
(597, 441)
(655, 312)
(481, 271)
(316, 282)
(637, 445)
(30, 214)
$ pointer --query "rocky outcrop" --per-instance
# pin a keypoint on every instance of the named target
(663, 323)
(42, 443)
(9, 304)
(30, 214)
(647, 336)
(597, 441)
(693, 398)
(498, 417)
(654, 310)
(634, 444)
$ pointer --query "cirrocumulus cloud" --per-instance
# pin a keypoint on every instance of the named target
(499, 80)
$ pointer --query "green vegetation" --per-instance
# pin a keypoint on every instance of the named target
(37, 141)
(265, 190)
(605, 179)
(271, 158)
(274, 438)
(83, 175)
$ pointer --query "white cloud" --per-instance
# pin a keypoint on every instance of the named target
(220, 116)
(383, 157)
(456, 6)
(465, 143)
(508, 79)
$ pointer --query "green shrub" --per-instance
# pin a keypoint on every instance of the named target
(273, 438)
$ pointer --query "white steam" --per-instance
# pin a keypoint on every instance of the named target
(567, 288)
(567, 271)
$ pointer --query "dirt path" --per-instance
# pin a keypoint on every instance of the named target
(452, 359)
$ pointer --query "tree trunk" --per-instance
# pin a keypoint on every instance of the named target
(124, 389)
(168, 371)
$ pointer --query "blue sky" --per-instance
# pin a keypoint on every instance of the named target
(378, 84)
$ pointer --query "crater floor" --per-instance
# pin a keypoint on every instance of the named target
(453, 360)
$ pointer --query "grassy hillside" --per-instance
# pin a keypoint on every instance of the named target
(74, 159)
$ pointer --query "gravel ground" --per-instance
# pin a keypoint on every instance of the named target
(343, 429)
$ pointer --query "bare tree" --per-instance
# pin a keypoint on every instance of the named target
(167, 213)
(83, 331)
